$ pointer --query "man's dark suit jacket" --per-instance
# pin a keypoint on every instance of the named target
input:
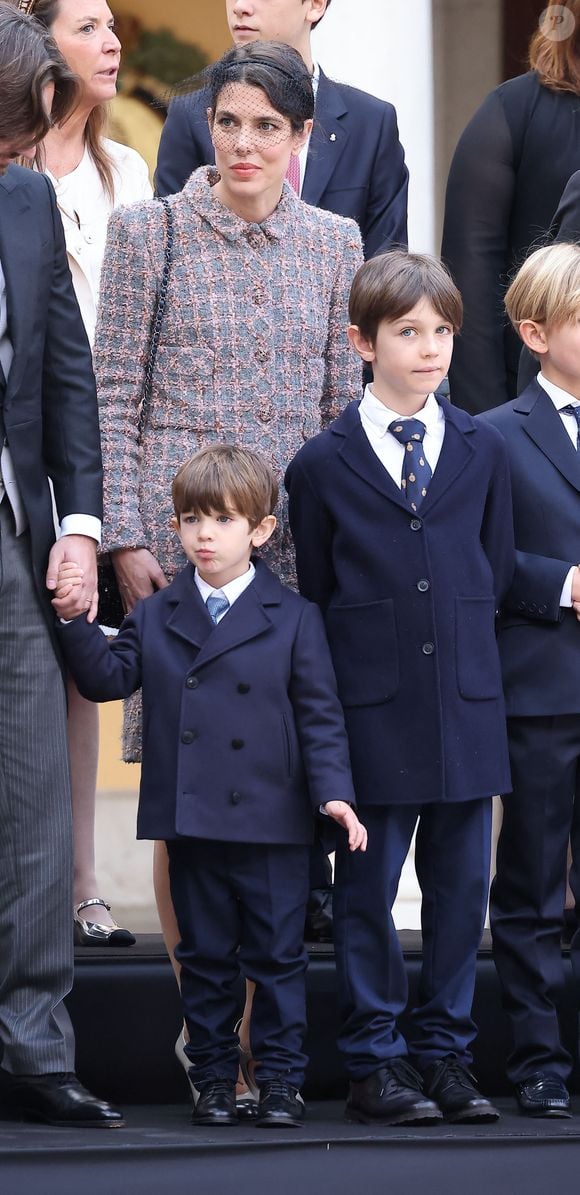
(243, 734)
(539, 641)
(409, 603)
(356, 166)
(50, 406)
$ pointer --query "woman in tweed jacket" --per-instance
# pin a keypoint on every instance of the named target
(253, 346)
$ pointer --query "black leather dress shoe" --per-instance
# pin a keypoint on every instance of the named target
(281, 1105)
(453, 1088)
(391, 1095)
(216, 1103)
(58, 1099)
(543, 1094)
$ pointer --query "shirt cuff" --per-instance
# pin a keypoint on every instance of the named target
(81, 525)
(566, 595)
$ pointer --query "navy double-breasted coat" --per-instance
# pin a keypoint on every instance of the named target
(409, 603)
(243, 733)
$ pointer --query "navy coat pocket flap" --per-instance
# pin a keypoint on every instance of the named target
(363, 642)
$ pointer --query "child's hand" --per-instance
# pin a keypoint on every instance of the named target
(67, 595)
(346, 817)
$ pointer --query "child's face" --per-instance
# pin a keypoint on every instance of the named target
(410, 356)
(560, 355)
(219, 544)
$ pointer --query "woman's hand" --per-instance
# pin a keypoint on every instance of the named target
(346, 817)
(138, 575)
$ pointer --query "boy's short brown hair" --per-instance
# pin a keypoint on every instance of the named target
(390, 285)
(223, 477)
(546, 288)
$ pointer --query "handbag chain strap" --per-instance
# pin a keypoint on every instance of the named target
(157, 321)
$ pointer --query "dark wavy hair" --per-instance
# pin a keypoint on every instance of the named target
(276, 68)
(29, 60)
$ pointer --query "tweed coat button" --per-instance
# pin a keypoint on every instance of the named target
(235, 798)
(187, 737)
(423, 585)
(192, 682)
(237, 744)
(243, 688)
(428, 649)
(262, 355)
(265, 414)
(415, 524)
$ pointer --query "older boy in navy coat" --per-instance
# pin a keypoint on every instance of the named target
(539, 644)
(400, 513)
(243, 739)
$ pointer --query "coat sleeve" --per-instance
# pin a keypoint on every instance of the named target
(131, 269)
(497, 533)
(312, 532)
(478, 206)
(318, 714)
(385, 220)
(71, 442)
(103, 669)
(343, 370)
(179, 152)
(536, 588)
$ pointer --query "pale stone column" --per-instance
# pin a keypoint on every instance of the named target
(385, 47)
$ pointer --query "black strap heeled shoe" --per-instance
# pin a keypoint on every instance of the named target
(94, 933)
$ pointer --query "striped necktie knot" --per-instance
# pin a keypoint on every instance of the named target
(217, 603)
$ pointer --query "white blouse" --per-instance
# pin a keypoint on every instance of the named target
(85, 208)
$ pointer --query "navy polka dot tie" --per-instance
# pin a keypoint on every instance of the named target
(416, 473)
(571, 409)
(217, 603)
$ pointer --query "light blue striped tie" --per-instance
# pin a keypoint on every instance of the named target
(217, 603)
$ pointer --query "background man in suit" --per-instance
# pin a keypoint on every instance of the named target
(48, 429)
(353, 164)
(539, 641)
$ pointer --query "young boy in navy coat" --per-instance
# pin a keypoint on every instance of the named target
(539, 641)
(401, 519)
(243, 739)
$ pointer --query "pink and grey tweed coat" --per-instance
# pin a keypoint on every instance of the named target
(253, 351)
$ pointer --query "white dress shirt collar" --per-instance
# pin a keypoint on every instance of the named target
(560, 398)
(232, 591)
(431, 414)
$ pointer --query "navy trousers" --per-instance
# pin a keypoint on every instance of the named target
(452, 856)
(528, 893)
(240, 907)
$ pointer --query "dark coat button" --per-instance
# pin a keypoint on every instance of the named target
(242, 688)
(237, 744)
(532, 607)
(192, 682)
(187, 737)
(521, 605)
(415, 524)
(423, 585)
(542, 609)
(235, 798)
(428, 649)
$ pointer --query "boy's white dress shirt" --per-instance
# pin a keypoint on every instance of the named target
(232, 591)
(376, 417)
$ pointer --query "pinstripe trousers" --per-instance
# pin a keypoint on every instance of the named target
(36, 950)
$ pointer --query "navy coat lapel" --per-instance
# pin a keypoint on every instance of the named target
(544, 426)
(247, 618)
(329, 138)
(456, 453)
(357, 453)
(19, 253)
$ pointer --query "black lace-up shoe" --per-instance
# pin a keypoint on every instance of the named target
(281, 1105)
(58, 1099)
(454, 1089)
(216, 1103)
(391, 1095)
(543, 1094)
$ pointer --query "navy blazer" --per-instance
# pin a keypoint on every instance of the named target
(356, 165)
(409, 603)
(50, 405)
(539, 641)
(243, 733)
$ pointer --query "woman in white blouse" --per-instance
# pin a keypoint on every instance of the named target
(91, 175)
